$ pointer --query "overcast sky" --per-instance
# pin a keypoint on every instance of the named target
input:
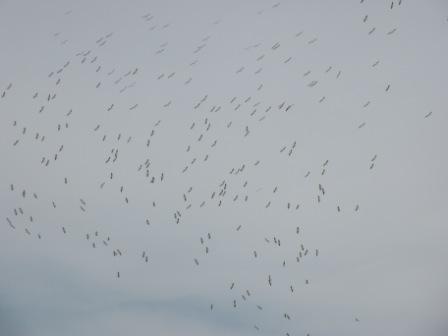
(163, 157)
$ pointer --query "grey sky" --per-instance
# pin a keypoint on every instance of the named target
(165, 65)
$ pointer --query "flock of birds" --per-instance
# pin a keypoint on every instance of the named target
(218, 167)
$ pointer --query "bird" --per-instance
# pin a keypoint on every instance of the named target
(113, 153)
